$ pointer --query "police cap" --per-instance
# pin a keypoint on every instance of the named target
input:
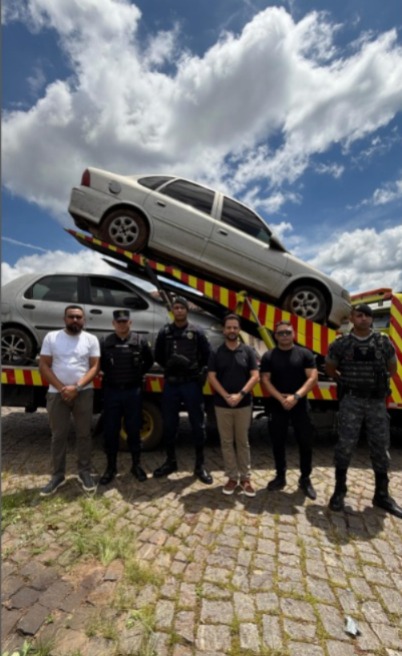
(121, 315)
(364, 309)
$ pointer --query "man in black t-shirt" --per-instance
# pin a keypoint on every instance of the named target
(288, 373)
(232, 374)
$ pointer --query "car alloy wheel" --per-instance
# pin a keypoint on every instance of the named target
(126, 229)
(17, 347)
(307, 302)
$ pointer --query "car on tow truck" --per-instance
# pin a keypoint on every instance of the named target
(175, 219)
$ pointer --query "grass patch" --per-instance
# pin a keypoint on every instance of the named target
(16, 507)
(140, 575)
(29, 649)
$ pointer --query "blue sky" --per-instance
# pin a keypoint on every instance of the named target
(292, 107)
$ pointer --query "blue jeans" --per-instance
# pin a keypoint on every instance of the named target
(190, 395)
(122, 404)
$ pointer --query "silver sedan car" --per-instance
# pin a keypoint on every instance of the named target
(180, 221)
(33, 304)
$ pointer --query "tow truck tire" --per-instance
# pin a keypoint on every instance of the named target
(17, 347)
(306, 301)
(126, 229)
(151, 429)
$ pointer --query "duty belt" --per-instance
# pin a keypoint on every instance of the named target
(365, 394)
(123, 386)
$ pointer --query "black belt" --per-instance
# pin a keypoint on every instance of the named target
(124, 386)
(361, 394)
(179, 380)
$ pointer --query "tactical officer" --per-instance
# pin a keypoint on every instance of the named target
(362, 363)
(125, 358)
(182, 350)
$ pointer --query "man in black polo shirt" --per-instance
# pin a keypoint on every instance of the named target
(233, 372)
(125, 358)
(288, 373)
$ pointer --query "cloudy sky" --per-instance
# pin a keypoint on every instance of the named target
(292, 107)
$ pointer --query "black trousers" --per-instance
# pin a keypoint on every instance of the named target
(299, 417)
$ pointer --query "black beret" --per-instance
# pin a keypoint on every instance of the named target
(180, 300)
(364, 308)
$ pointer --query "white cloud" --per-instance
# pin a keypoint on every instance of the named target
(57, 262)
(363, 259)
(158, 107)
(388, 193)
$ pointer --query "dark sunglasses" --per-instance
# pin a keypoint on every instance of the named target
(281, 333)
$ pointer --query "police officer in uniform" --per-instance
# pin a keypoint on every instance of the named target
(182, 349)
(125, 358)
(362, 363)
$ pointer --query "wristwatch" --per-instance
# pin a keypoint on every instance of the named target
(242, 393)
(78, 388)
(297, 396)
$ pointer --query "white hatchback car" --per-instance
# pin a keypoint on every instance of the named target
(180, 221)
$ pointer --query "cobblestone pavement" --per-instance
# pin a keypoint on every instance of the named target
(276, 574)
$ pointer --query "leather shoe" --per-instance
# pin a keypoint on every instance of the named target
(168, 467)
(337, 501)
(389, 504)
(107, 477)
(306, 486)
(139, 473)
(203, 475)
(277, 483)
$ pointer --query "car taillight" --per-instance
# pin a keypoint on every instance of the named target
(86, 179)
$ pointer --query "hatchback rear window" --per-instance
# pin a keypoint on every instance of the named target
(154, 181)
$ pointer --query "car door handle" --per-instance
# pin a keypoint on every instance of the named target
(223, 232)
(95, 312)
(28, 306)
(161, 203)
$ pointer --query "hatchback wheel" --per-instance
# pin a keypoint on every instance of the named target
(151, 429)
(17, 347)
(126, 229)
(307, 302)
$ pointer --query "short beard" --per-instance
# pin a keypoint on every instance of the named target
(74, 329)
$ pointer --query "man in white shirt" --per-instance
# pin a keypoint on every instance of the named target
(69, 360)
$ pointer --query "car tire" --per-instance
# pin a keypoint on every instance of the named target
(126, 229)
(151, 429)
(17, 347)
(308, 302)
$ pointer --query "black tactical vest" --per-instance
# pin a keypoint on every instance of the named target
(122, 361)
(181, 348)
(362, 364)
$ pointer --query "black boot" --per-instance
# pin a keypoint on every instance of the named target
(381, 495)
(137, 470)
(337, 501)
(169, 466)
(199, 469)
(110, 471)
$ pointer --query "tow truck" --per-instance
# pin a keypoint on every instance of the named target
(25, 387)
